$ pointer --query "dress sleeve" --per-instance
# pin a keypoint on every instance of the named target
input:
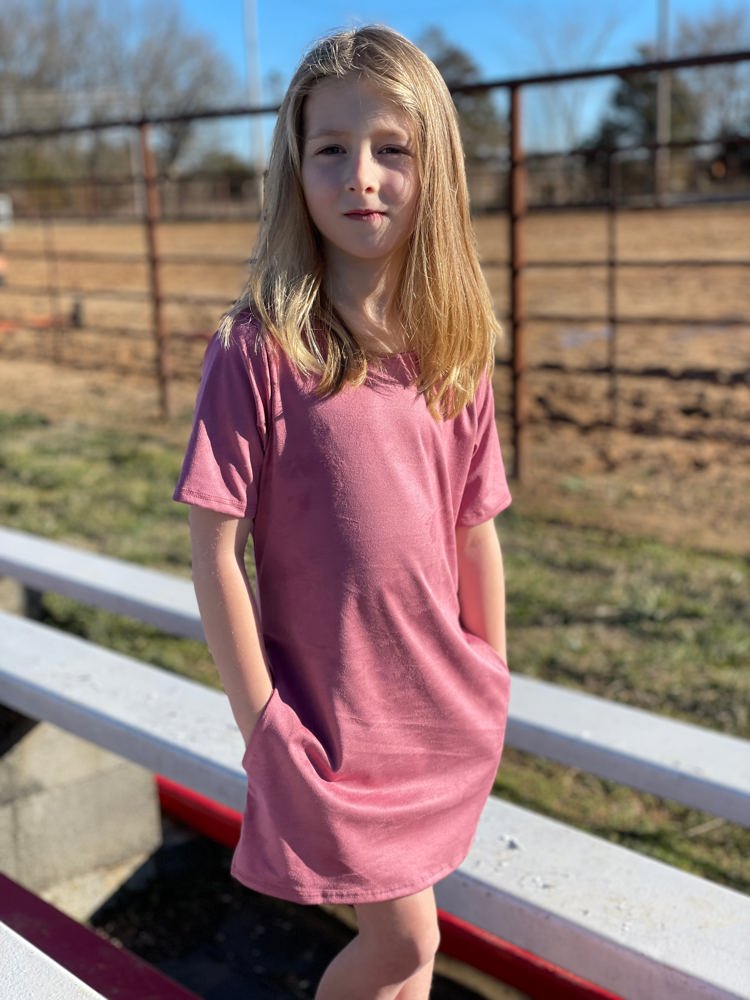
(486, 490)
(224, 458)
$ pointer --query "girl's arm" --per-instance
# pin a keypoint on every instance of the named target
(229, 612)
(481, 584)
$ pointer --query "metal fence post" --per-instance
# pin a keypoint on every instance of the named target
(517, 213)
(53, 285)
(613, 180)
(151, 219)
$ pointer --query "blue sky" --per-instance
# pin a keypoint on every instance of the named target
(504, 37)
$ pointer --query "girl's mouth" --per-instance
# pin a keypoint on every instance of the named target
(364, 214)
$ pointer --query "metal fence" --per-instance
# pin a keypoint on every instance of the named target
(54, 312)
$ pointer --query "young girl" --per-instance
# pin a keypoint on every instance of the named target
(346, 420)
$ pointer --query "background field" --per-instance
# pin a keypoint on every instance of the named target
(627, 547)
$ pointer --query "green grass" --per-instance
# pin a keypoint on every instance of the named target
(658, 627)
(104, 489)
(630, 619)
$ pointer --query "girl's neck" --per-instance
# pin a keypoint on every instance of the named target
(365, 298)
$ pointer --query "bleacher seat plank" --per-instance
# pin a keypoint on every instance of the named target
(595, 908)
(160, 599)
(677, 760)
(157, 719)
(28, 972)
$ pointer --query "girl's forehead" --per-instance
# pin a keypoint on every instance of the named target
(336, 103)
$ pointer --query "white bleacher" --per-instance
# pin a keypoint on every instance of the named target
(28, 972)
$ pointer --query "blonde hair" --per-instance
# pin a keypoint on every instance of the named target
(442, 298)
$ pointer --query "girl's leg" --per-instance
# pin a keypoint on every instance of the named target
(418, 987)
(392, 955)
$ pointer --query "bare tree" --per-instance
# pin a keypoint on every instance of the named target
(71, 61)
(572, 41)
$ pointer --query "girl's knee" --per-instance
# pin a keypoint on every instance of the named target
(404, 942)
(427, 946)
(402, 956)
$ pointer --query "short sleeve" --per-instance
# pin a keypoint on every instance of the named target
(486, 491)
(224, 458)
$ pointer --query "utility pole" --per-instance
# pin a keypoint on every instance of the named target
(252, 58)
(663, 108)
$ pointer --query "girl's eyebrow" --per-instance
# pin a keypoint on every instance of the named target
(319, 133)
(327, 131)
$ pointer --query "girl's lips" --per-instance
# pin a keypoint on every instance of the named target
(367, 213)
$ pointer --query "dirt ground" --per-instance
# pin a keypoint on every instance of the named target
(676, 466)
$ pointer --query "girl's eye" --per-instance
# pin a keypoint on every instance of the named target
(394, 151)
(332, 150)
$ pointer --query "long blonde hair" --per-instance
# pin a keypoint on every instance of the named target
(442, 298)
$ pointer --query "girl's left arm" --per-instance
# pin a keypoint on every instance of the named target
(481, 584)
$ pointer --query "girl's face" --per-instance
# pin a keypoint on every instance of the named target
(359, 171)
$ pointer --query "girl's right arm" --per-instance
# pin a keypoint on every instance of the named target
(229, 612)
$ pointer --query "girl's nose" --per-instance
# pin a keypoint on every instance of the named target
(360, 176)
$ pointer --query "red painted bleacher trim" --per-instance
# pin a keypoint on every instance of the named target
(114, 972)
(213, 820)
(505, 962)
(513, 966)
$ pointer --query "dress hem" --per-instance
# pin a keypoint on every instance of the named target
(343, 896)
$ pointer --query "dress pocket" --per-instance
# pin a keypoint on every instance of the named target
(261, 724)
(489, 653)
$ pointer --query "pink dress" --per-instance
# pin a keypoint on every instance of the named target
(371, 763)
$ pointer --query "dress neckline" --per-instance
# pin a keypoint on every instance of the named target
(397, 365)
